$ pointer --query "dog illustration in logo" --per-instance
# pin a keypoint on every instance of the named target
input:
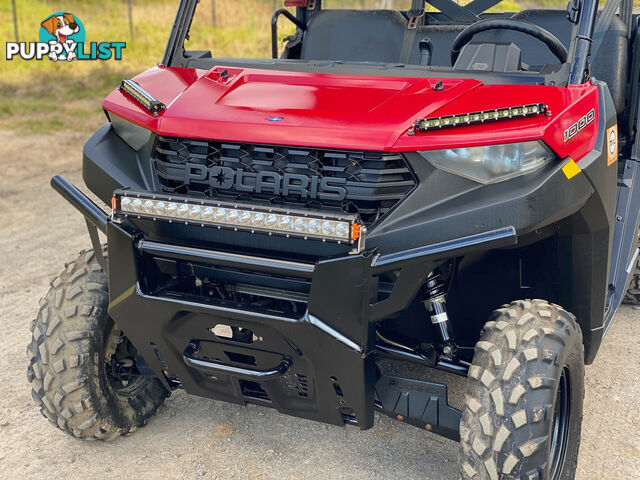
(62, 26)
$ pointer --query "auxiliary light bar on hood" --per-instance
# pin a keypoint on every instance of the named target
(427, 124)
(143, 97)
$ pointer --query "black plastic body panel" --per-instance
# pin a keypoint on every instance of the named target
(419, 403)
(586, 239)
(109, 164)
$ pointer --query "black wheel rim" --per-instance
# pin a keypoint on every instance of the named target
(121, 371)
(560, 426)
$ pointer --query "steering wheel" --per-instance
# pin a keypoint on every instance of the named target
(545, 36)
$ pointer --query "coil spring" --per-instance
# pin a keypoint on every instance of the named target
(434, 286)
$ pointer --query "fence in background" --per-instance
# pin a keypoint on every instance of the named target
(15, 20)
(18, 7)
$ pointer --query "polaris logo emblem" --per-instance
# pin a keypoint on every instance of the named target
(287, 184)
(580, 125)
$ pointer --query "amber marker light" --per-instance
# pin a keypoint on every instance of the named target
(355, 231)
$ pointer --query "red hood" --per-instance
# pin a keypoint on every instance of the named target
(343, 111)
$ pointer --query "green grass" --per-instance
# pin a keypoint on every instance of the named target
(41, 97)
(35, 96)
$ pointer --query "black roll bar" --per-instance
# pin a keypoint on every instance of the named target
(274, 28)
(584, 39)
(179, 32)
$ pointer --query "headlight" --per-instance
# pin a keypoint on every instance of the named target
(133, 135)
(493, 163)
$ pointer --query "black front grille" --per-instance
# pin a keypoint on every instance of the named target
(353, 182)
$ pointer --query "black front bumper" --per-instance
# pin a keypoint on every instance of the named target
(318, 365)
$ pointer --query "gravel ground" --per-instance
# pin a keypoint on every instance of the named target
(194, 437)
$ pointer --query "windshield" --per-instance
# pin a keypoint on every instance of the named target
(503, 6)
(386, 33)
(242, 28)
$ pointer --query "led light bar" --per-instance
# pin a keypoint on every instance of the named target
(325, 227)
(143, 97)
(427, 124)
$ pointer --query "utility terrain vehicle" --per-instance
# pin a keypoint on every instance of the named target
(445, 188)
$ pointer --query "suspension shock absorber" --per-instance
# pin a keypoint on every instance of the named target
(435, 302)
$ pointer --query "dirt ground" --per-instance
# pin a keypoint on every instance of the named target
(199, 438)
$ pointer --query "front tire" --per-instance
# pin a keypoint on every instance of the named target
(525, 393)
(71, 360)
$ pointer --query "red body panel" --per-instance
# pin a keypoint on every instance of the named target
(350, 112)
